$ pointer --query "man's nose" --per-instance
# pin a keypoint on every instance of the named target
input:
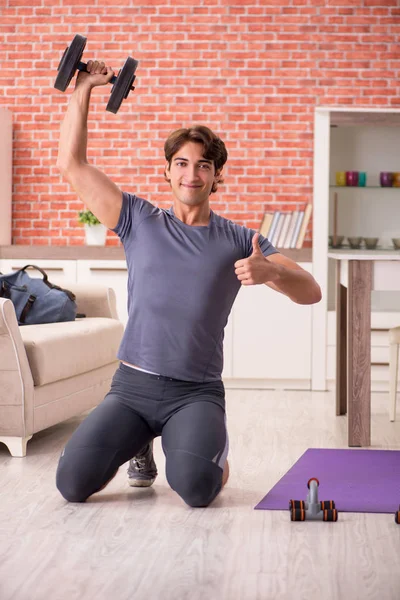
(193, 173)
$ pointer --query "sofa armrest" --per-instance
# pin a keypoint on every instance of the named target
(16, 382)
(8, 319)
(94, 300)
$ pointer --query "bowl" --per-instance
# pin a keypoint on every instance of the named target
(371, 242)
(396, 243)
(339, 241)
(355, 242)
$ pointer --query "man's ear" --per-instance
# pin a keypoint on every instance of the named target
(166, 173)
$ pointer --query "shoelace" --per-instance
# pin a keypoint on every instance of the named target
(140, 463)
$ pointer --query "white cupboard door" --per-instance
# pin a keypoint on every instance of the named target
(228, 356)
(111, 273)
(271, 335)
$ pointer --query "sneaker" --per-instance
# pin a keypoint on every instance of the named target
(142, 470)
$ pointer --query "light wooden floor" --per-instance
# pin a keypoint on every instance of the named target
(128, 544)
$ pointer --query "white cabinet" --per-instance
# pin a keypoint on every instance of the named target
(361, 139)
(381, 322)
(59, 272)
(227, 371)
(112, 273)
(271, 337)
(6, 168)
(370, 211)
(267, 340)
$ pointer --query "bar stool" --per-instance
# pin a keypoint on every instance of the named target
(394, 341)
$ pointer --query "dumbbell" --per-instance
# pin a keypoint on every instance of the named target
(312, 509)
(71, 61)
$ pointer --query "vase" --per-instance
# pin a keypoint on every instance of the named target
(95, 235)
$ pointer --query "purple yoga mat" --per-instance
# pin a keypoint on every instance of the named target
(356, 480)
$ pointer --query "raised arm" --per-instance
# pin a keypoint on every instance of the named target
(93, 187)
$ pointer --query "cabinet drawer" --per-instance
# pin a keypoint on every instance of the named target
(380, 324)
(379, 372)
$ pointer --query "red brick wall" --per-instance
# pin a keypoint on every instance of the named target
(253, 71)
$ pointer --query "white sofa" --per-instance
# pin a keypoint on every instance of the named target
(52, 372)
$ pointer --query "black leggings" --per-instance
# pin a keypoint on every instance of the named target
(190, 417)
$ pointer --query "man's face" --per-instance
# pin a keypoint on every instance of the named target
(191, 175)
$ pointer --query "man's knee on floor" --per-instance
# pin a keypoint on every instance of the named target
(75, 480)
(71, 486)
(198, 494)
(70, 490)
(196, 480)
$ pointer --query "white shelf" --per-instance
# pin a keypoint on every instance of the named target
(354, 205)
(362, 254)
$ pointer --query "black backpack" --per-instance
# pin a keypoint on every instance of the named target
(37, 300)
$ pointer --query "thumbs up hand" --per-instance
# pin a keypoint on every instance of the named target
(256, 269)
(256, 245)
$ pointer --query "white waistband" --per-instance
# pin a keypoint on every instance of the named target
(139, 369)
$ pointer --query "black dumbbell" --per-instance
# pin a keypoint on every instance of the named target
(71, 61)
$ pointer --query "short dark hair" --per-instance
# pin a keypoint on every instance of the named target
(214, 147)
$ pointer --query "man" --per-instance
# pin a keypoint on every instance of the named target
(185, 267)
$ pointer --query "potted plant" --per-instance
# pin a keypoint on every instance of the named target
(95, 232)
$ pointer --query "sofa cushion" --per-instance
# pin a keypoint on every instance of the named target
(60, 350)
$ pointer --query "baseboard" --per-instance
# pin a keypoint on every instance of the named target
(376, 386)
(267, 384)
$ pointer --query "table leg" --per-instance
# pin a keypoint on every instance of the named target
(341, 344)
(359, 352)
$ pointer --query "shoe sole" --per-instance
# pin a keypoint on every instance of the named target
(141, 482)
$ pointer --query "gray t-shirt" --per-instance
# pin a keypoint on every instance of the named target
(181, 288)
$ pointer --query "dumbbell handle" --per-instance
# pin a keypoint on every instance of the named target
(83, 67)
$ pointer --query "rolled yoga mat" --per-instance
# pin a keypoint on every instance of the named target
(356, 480)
